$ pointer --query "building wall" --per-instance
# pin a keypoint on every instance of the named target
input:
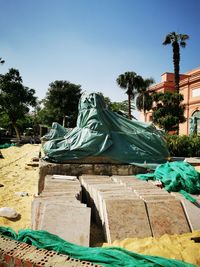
(189, 88)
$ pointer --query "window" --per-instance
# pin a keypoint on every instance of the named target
(196, 92)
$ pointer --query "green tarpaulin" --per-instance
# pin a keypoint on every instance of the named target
(57, 131)
(178, 176)
(100, 132)
(109, 257)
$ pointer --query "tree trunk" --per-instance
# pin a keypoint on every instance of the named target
(17, 132)
(63, 121)
(176, 61)
(129, 106)
(143, 100)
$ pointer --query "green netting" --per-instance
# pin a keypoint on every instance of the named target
(57, 131)
(6, 145)
(100, 132)
(109, 256)
(178, 176)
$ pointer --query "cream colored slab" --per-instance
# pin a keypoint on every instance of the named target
(70, 223)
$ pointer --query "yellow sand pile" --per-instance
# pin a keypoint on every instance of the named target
(179, 247)
(16, 176)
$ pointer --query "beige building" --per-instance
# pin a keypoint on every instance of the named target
(190, 89)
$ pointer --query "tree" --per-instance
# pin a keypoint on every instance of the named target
(131, 82)
(15, 98)
(118, 107)
(176, 40)
(61, 102)
(169, 111)
(2, 61)
(144, 100)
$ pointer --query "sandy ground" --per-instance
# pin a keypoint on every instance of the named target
(16, 176)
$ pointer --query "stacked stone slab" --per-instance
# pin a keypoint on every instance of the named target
(165, 212)
(91, 165)
(58, 210)
(120, 210)
(128, 207)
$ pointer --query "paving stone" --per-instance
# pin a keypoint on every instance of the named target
(143, 192)
(125, 218)
(142, 186)
(77, 169)
(157, 197)
(167, 217)
(51, 179)
(70, 223)
(192, 211)
(58, 194)
(38, 204)
(112, 195)
(105, 188)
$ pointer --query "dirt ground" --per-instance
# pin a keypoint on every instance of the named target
(16, 176)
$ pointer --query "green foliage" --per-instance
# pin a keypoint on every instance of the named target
(131, 82)
(176, 40)
(183, 146)
(144, 100)
(169, 111)
(2, 61)
(118, 107)
(15, 98)
(61, 102)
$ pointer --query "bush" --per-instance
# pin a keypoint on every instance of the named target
(183, 146)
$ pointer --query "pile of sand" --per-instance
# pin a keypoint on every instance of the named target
(16, 176)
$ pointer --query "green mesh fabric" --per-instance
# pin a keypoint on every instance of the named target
(109, 257)
(178, 176)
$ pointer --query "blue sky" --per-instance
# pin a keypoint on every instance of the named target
(91, 42)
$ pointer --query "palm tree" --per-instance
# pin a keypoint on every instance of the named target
(131, 82)
(144, 100)
(176, 40)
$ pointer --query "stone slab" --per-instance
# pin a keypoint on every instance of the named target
(157, 197)
(105, 188)
(58, 194)
(145, 186)
(70, 223)
(77, 169)
(62, 188)
(38, 204)
(167, 217)
(125, 218)
(143, 192)
(51, 179)
(110, 195)
(192, 211)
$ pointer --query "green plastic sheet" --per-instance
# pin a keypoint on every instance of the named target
(6, 145)
(178, 176)
(57, 131)
(100, 132)
(109, 257)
